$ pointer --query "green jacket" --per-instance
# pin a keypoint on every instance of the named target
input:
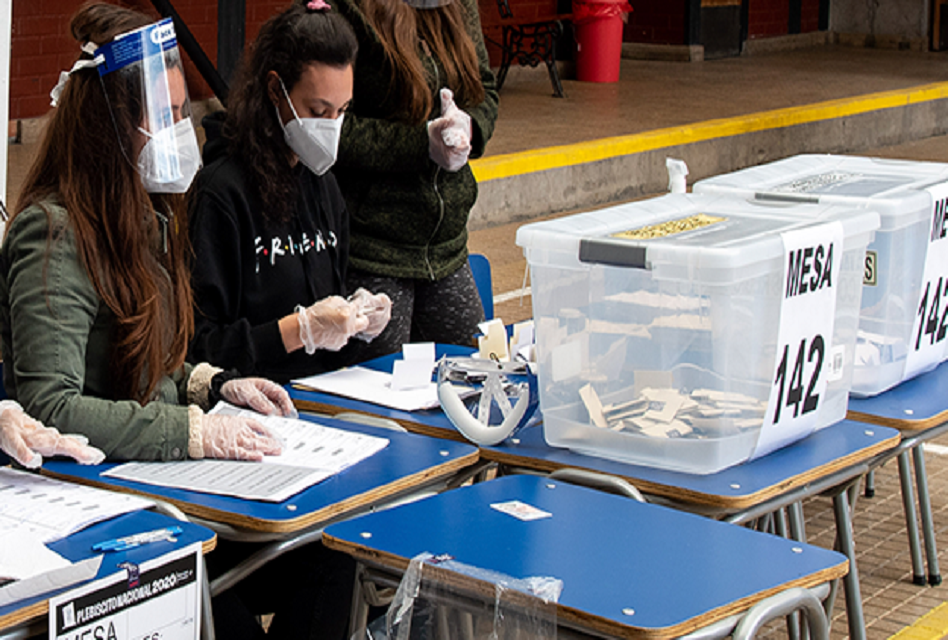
(408, 217)
(55, 335)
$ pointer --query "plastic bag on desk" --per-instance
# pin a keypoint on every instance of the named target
(441, 598)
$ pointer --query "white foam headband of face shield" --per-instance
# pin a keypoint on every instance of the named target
(469, 426)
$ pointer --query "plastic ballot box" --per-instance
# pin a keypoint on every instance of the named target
(695, 332)
(902, 329)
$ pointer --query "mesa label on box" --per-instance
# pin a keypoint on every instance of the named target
(805, 356)
(928, 345)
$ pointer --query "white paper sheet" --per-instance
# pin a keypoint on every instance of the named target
(372, 386)
(311, 453)
(50, 509)
(48, 579)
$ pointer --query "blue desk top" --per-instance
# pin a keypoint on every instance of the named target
(408, 461)
(916, 404)
(431, 422)
(677, 571)
(78, 547)
(739, 487)
(828, 450)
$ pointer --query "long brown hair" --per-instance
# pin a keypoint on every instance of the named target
(286, 43)
(402, 29)
(85, 164)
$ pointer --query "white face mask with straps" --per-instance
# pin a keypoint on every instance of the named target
(170, 158)
(314, 140)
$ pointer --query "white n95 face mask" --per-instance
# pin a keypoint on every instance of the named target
(314, 140)
(170, 158)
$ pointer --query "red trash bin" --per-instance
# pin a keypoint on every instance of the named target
(598, 30)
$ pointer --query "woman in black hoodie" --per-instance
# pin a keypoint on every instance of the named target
(268, 223)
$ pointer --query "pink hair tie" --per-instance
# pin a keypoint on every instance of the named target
(318, 5)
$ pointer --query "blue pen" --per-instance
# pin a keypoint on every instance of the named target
(138, 539)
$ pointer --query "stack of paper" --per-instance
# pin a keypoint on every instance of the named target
(311, 453)
(49, 509)
(408, 387)
(32, 569)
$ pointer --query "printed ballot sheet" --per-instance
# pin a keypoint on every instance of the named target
(158, 599)
(49, 509)
(311, 453)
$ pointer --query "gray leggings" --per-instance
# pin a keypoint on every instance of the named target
(445, 311)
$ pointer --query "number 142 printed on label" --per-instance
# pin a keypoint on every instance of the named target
(805, 359)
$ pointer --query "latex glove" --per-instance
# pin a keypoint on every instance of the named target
(377, 307)
(236, 438)
(26, 440)
(329, 323)
(449, 137)
(259, 394)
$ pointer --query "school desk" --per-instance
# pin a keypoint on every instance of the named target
(629, 569)
(408, 466)
(27, 617)
(919, 409)
(830, 461)
(431, 422)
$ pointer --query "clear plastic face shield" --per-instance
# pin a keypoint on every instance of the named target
(503, 401)
(149, 61)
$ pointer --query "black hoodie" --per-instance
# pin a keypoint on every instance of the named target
(247, 272)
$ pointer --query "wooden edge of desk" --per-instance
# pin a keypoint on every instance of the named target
(581, 618)
(41, 608)
(899, 423)
(412, 427)
(306, 520)
(690, 496)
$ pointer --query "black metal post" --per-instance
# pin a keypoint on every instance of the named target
(204, 66)
(231, 29)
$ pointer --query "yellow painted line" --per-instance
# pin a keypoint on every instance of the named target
(515, 164)
(931, 626)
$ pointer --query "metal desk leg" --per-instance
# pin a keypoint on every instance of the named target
(925, 510)
(797, 521)
(207, 614)
(911, 523)
(870, 484)
(844, 535)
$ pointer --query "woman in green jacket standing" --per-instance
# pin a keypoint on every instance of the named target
(402, 163)
(95, 300)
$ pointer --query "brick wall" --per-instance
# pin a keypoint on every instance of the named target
(41, 47)
(656, 22)
(767, 18)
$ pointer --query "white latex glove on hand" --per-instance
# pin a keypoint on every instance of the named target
(449, 137)
(235, 438)
(259, 394)
(26, 440)
(376, 307)
(329, 323)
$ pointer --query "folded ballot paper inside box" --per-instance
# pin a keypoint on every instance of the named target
(694, 332)
(906, 266)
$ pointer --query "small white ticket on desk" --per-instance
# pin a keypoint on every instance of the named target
(311, 453)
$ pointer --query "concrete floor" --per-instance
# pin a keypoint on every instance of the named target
(655, 95)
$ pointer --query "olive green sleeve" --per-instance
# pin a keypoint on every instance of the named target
(53, 308)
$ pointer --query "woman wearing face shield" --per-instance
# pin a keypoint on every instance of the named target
(268, 223)
(424, 102)
(95, 299)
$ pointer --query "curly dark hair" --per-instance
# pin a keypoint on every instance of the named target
(287, 42)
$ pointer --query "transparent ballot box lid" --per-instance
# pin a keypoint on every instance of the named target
(905, 265)
(693, 332)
